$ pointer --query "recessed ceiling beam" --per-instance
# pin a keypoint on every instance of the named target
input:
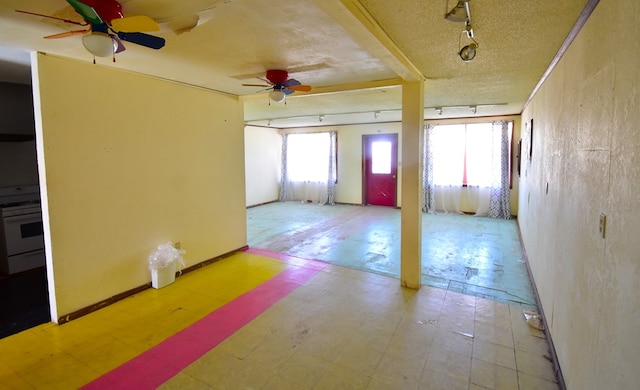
(365, 30)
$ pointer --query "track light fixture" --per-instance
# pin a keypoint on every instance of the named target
(460, 13)
(468, 52)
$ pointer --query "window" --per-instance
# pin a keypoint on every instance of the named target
(381, 157)
(308, 157)
(463, 154)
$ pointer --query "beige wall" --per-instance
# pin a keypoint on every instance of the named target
(586, 146)
(263, 147)
(128, 162)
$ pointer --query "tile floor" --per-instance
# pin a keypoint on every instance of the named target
(263, 320)
(338, 328)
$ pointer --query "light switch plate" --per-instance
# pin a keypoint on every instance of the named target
(602, 225)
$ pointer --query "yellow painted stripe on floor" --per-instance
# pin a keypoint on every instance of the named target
(73, 354)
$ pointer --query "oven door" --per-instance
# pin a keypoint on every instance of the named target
(23, 233)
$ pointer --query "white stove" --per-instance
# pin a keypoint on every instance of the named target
(21, 230)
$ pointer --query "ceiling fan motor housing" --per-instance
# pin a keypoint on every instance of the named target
(107, 9)
(276, 76)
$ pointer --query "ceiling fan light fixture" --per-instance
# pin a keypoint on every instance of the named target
(277, 95)
(100, 44)
(468, 52)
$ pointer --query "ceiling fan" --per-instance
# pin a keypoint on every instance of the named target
(108, 27)
(280, 85)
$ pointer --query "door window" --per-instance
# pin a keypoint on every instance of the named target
(381, 157)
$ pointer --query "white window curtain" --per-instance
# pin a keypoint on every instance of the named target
(308, 167)
(467, 164)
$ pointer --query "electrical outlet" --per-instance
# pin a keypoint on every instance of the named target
(177, 245)
(603, 224)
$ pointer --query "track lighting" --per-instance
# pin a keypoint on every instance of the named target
(459, 13)
(468, 52)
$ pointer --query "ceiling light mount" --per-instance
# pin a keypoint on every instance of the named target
(459, 14)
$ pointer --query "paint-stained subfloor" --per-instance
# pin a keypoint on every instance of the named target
(477, 256)
(263, 320)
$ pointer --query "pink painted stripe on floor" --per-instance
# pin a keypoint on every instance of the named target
(160, 363)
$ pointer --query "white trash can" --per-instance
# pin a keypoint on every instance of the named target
(163, 276)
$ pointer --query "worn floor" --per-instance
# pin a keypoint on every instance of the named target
(262, 319)
(473, 255)
(258, 320)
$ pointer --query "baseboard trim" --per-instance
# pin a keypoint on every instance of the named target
(547, 334)
(111, 300)
(262, 204)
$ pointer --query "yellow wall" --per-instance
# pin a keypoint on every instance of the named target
(586, 145)
(129, 162)
(263, 147)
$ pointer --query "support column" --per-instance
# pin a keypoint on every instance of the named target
(411, 185)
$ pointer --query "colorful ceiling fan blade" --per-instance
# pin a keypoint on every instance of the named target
(67, 34)
(53, 17)
(137, 23)
(118, 42)
(287, 91)
(86, 11)
(290, 82)
(302, 88)
(142, 39)
(256, 85)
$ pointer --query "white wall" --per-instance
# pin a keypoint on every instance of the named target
(16, 109)
(128, 162)
(586, 146)
(263, 147)
(18, 164)
(17, 159)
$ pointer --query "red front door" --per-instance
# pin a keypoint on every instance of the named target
(380, 154)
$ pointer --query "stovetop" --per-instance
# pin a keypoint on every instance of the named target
(18, 196)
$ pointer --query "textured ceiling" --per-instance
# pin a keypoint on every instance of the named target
(354, 53)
